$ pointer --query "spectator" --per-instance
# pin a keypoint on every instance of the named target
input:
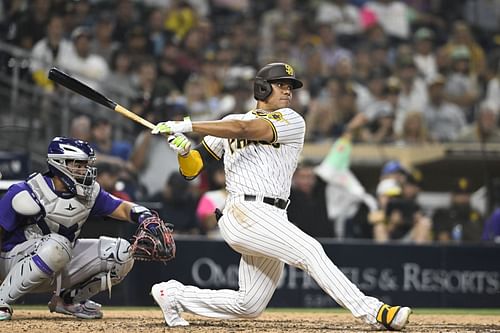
(177, 204)
(461, 85)
(392, 16)
(149, 88)
(151, 155)
(460, 222)
(80, 128)
(106, 147)
(402, 218)
(307, 199)
(424, 57)
(214, 198)
(109, 178)
(80, 62)
(343, 70)
(485, 129)
(320, 117)
(347, 202)
(444, 120)
(119, 82)
(343, 17)
(49, 51)
(156, 31)
(31, 27)
(491, 231)
(284, 13)
(413, 93)
(414, 225)
(138, 45)
(414, 130)
(126, 18)
(103, 44)
(493, 86)
(461, 36)
(376, 122)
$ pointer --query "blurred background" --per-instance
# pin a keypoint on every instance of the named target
(401, 101)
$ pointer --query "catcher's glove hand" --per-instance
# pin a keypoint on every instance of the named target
(153, 240)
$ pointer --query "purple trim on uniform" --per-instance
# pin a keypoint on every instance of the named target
(42, 265)
(105, 204)
(8, 216)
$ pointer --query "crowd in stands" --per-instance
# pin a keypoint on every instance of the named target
(381, 71)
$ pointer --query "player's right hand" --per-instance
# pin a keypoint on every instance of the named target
(180, 143)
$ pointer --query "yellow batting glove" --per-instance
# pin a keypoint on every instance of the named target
(180, 143)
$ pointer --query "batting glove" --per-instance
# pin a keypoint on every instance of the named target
(179, 143)
(171, 127)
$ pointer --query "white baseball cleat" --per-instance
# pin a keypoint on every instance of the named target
(85, 310)
(5, 311)
(164, 295)
(393, 318)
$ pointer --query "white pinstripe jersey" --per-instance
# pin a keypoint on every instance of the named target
(262, 168)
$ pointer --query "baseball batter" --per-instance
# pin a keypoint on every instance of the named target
(260, 150)
(40, 220)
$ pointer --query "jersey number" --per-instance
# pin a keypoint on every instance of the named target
(235, 144)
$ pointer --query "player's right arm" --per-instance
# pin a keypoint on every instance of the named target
(231, 127)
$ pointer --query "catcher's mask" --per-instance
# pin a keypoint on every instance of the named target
(72, 161)
(270, 73)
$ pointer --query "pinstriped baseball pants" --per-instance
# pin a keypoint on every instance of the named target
(267, 240)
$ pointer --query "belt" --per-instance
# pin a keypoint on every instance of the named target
(277, 202)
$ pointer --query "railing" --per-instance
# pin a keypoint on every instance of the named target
(30, 116)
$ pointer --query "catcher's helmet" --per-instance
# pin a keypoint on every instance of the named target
(273, 72)
(79, 178)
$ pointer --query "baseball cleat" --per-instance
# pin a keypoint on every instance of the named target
(393, 318)
(163, 294)
(85, 310)
(5, 312)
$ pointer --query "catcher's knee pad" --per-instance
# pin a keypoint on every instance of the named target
(116, 262)
(55, 251)
(116, 255)
(50, 256)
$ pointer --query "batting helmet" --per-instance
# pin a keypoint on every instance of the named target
(79, 178)
(273, 72)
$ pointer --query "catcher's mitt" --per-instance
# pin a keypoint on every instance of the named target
(153, 240)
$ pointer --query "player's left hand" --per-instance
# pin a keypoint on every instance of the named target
(153, 240)
(171, 127)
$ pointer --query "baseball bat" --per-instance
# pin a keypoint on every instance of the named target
(81, 88)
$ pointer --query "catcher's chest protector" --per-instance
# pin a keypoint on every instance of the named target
(62, 216)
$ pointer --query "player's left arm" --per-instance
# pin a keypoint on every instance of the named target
(116, 208)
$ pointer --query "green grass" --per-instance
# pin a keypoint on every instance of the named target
(417, 311)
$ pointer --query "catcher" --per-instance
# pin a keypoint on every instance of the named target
(40, 220)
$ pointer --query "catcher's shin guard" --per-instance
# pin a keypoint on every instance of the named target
(50, 256)
(393, 318)
(116, 262)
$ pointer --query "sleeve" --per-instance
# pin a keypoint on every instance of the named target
(288, 126)
(105, 204)
(214, 147)
(8, 220)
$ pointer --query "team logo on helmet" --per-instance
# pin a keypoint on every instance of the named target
(289, 69)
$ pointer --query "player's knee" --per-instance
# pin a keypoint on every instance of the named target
(117, 256)
(249, 309)
(313, 249)
(54, 251)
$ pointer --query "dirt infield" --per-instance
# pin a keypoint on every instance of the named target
(151, 321)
